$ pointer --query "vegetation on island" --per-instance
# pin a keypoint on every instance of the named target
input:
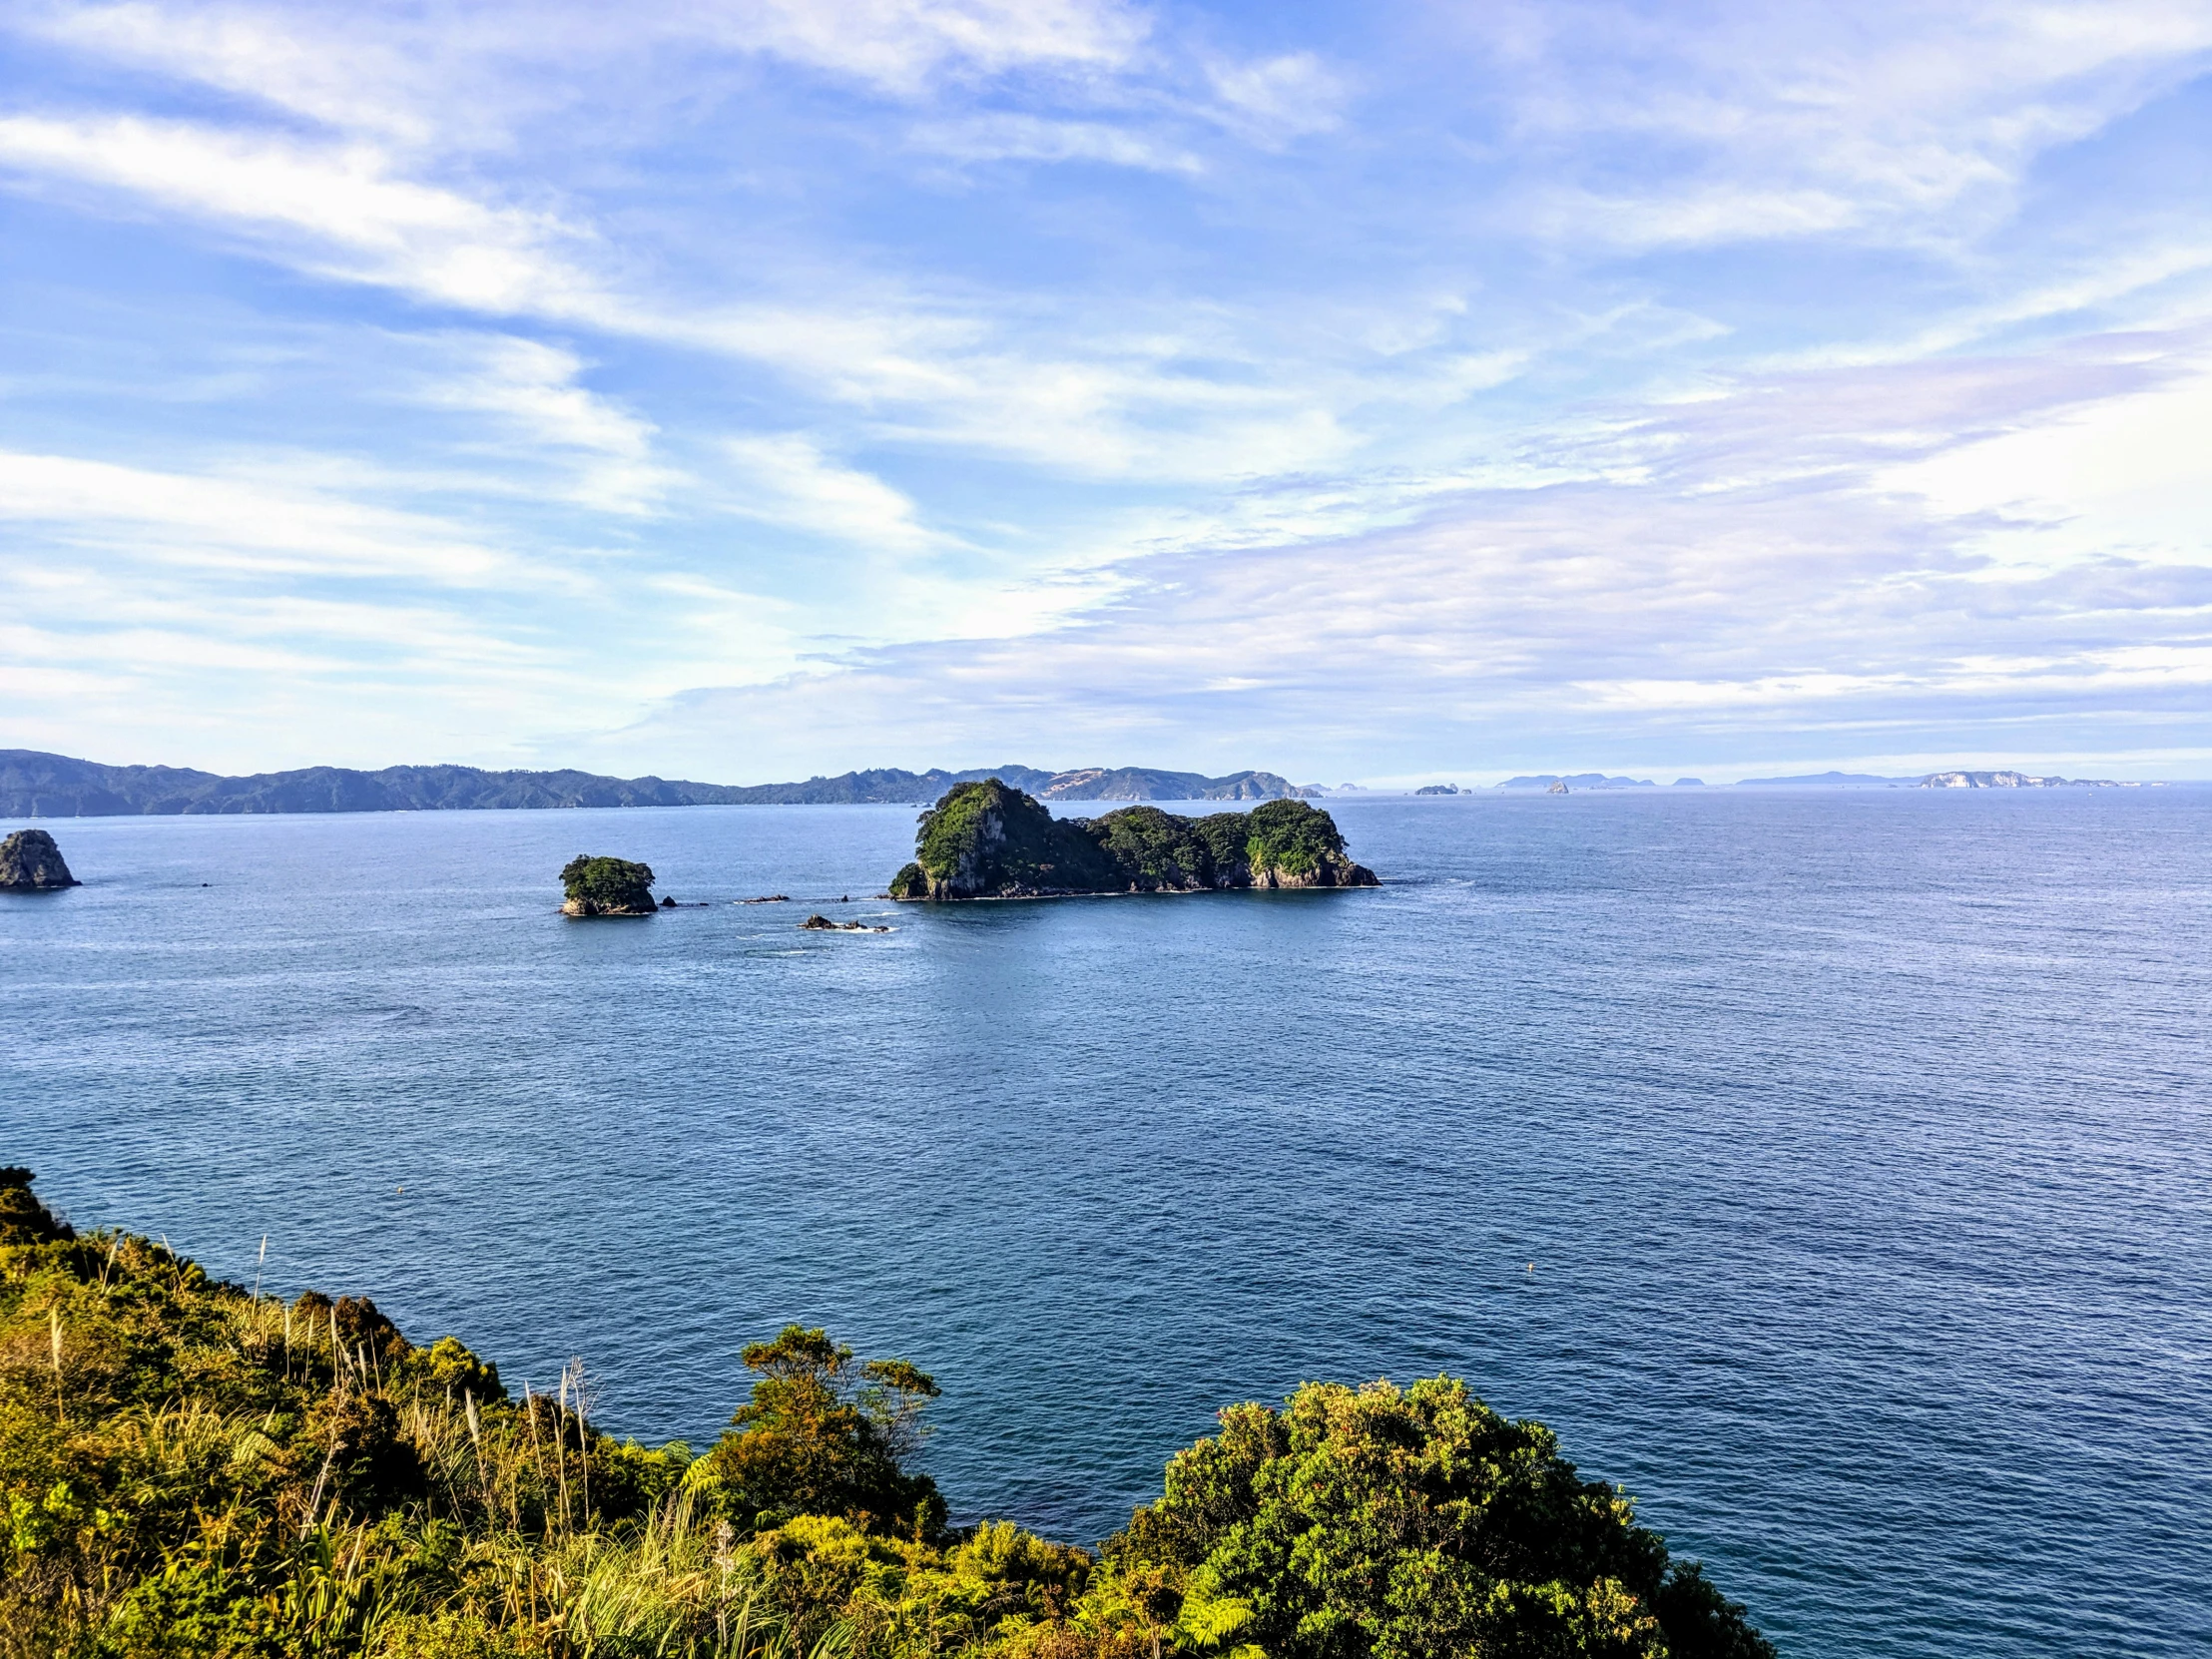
(607, 886)
(189, 1470)
(991, 841)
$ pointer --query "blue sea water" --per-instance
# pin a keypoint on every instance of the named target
(1831, 1170)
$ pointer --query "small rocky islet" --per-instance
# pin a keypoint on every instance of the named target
(603, 887)
(31, 862)
(991, 841)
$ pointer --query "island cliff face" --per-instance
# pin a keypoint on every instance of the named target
(31, 862)
(991, 841)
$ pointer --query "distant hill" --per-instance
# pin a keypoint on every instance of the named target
(1143, 784)
(1578, 781)
(37, 784)
(1825, 781)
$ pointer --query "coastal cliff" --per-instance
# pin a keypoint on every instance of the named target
(991, 841)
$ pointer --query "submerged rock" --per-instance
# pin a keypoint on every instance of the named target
(600, 887)
(31, 862)
(989, 841)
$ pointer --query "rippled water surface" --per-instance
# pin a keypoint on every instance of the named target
(1831, 1170)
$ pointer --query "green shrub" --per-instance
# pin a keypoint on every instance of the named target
(823, 1435)
(1407, 1524)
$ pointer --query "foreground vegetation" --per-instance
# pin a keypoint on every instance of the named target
(191, 1469)
(989, 841)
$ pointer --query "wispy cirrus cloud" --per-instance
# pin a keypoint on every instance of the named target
(336, 210)
(785, 479)
(600, 453)
(269, 524)
(1758, 563)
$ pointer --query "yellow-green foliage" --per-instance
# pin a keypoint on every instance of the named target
(190, 1471)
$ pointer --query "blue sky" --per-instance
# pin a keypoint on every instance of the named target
(1372, 392)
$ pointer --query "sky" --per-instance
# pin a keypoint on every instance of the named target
(745, 389)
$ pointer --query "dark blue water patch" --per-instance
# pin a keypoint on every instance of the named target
(1829, 1170)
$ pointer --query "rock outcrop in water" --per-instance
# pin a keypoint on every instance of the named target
(607, 887)
(31, 862)
(989, 841)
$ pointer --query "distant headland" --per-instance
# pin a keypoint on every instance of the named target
(38, 785)
(988, 840)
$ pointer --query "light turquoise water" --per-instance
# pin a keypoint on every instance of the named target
(1859, 1143)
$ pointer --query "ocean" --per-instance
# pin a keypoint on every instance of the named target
(1829, 1170)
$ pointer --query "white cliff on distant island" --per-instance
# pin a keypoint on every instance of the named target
(2015, 781)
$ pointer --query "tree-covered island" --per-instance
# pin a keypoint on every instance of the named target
(991, 841)
(599, 886)
(193, 1470)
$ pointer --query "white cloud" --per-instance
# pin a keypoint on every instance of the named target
(1917, 121)
(1028, 138)
(600, 454)
(2124, 475)
(360, 221)
(1760, 573)
(897, 45)
(448, 77)
(785, 480)
(535, 384)
(1279, 98)
(267, 523)
(354, 79)
(933, 373)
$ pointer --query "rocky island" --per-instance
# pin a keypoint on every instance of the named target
(597, 886)
(991, 841)
(31, 862)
